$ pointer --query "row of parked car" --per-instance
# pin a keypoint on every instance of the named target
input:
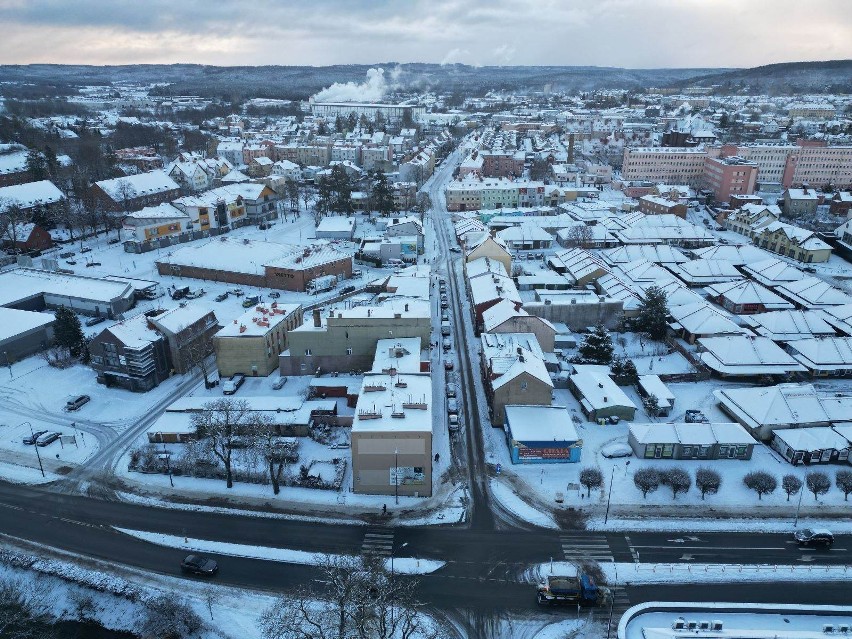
(41, 438)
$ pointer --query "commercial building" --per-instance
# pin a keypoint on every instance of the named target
(729, 176)
(541, 435)
(392, 113)
(345, 339)
(23, 333)
(391, 442)
(690, 441)
(668, 165)
(252, 343)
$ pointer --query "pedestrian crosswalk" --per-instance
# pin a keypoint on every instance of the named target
(378, 542)
(585, 547)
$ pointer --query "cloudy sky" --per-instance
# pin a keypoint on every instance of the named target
(624, 33)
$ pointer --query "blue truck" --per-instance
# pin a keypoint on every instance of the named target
(580, 590)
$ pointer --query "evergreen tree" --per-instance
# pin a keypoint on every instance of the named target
(51, 164)
(67, 331)
(339, 125)
(36, 165)
(597, 346)
(341, 191)
(381, 194)
(653, 313)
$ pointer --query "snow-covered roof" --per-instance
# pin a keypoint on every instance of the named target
(524, 233)
(135, 332)
(785, 326)
(657, 253)
(401, 354)
(235, 177)
(783, 405)
(700, 318)
(701, 272)
(397, 403)
(14, 322)
(690, 434)
(483, 265)
(258, 320)
(746, 356)
(143, 184)
(653, 385)
(736, 254)
(493, 287)
(772, 271)
(22, 283)
(524, 362)
(742, 292)
(540, 424)
(30, 194)
(181, 317)
(813, 292)
(824, 353)
(164, 211)
(14, 162)
(840, 317)
(336, 224)
(810, 439)
(598, 389)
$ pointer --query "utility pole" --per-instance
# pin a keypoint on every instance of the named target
(396, 475)
(38, 455)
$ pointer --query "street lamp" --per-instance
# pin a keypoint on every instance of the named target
(798, 506)
(609, 496)
(38, 455)
(396, 475)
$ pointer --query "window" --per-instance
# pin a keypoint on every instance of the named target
(349, 351)
(308, 352)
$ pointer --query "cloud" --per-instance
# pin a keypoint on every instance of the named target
(628, 33)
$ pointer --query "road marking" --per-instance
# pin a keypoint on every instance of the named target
(633, 551)
(686, 557)
(378, 543)
(714, 548)
(585, 547)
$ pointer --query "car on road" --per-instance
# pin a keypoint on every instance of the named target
(232, 384)
(446, 345)
(221, 297)
(77, 402)
(455, 249)
(92, 321)
(47, 438)
(199, 565)
(32, 438)
(278, 384)
(451, 390)
(448, 365)
(814, 537)
(616, 449)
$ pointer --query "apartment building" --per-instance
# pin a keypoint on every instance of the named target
(669, 165)
(793, 241)
(751, 219)
(304, 154)
(789, 165)
(812, 111)
(509, 164)
(154, 222)
(655, 205)
(252, 343)
(133, 192)
(729, 176)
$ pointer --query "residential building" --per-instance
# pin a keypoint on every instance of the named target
(800, 203)
(188, 331)
(744, 297)
(746, 356)
(670, 165)
(801, 244)
(155, 222)
(505, 317)
(134, 192)
(657, 205)
(599, 396)
(815, 445)
(391, 113)
(252, 343)
(508, 164)
(482, 245)
(131, 354)
(751, 219)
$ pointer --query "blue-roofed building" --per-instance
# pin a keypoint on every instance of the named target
(541, 435)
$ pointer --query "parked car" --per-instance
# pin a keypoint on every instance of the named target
(92, 321)
(452, 406)
(199, 565)
(446, 344)
(356, 272)
(814, 537)
(448, 365)
(194, 295)
(445, 317)
(222, 297)
(32, 438)
(180, 293)
(77, 402)
(232, 384)
(66, 255)
(85, 249)
(251, 301)
(453, 423)
(237, 292)
(455, 249)
(274, 295)
(347, 289)
(47, 438)
(71, 262)
(113, 240)
(451, 390)
(278, 384)
(616, 449)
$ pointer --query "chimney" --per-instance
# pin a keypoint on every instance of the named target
(317, 319)
(600, 384)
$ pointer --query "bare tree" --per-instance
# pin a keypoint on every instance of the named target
(168, 617)
(125, 193)
(20, 617)
(221, 424)
(677, 479)
(761, 482)
(791, 485)
(194, 354)
(356, 599)
(275, 452)
(580, 235)
(707, 480)
(12, 219)
(818, 483)
(647, 480)
(843, 479)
